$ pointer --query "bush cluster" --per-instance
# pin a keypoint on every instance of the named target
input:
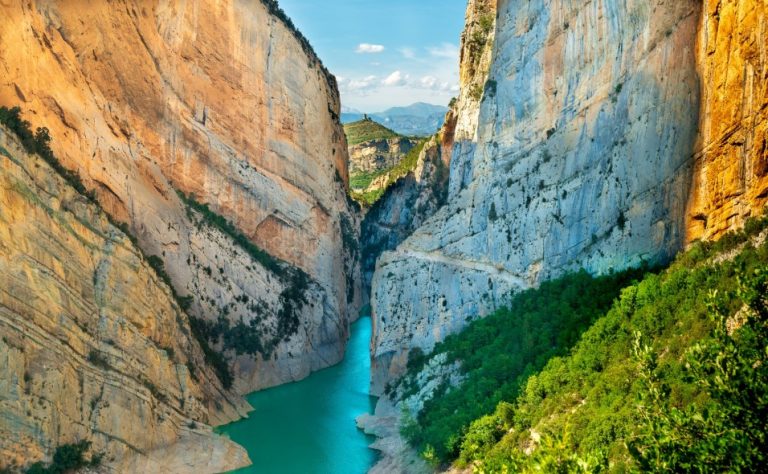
(499, 353)
(39, 143)
(67, 458)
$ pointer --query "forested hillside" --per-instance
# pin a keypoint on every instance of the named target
(666, 373)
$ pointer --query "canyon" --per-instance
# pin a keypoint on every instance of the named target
(209, 132)
(215, 250)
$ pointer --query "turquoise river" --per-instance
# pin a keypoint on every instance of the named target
(308, 427)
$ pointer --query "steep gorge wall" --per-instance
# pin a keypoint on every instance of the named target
(583, 158)
(460, 128)
(92, 344)
(221, 101)
(731, 173)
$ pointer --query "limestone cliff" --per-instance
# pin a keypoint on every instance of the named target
(223, 102)
(731, 173)
(460, 128)
(408, 203)
(583, 158)
(92, 344)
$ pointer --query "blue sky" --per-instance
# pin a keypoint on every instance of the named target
(385, 53)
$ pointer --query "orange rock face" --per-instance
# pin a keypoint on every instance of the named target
(92, 344)
(216, 99)
(731, 174)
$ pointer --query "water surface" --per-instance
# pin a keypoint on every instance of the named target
(308, 427)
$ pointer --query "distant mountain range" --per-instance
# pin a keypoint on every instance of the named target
(419, 119)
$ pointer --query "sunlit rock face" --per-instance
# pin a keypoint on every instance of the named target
(583, 158)
(219, 100)
(475, 63)
(92, 344)
(731, 175)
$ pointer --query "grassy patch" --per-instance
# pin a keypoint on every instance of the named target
(361, 181)
(366, 130)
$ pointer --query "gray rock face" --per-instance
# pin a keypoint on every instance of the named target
(582, 159)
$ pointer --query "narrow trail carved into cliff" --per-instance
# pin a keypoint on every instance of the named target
(469, 264)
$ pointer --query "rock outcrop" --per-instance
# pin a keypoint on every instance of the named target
(477, 41)
(583, 158)
(731, 173)
(378, 155)
(93, 345)
(223, 102)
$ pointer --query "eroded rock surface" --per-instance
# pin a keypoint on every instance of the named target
(221, 101)
(378, 155)
(731, 174)
(92, 344)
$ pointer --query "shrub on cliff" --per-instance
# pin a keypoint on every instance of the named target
(39, 142)
(728, 432)
(67, 458)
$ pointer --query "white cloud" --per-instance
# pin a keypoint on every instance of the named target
(435, 84)
(428, 82)
(367, 48)
(445, 50)
(357, 85)
(408, 53)
(395, 79)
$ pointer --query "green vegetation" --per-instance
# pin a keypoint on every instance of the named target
(249, 338)
(499, 352)
(39, 143)
(702, 392)
(405, 166)
(728, 432)
(366, 130)
(220, 222)
(361, 181)
(213, 358)
(67, 458)
(254, 337)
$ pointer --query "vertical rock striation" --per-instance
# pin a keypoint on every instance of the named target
(92, 344)
(731, 173)
(583, 158)
(221, 101)
(461, 124)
